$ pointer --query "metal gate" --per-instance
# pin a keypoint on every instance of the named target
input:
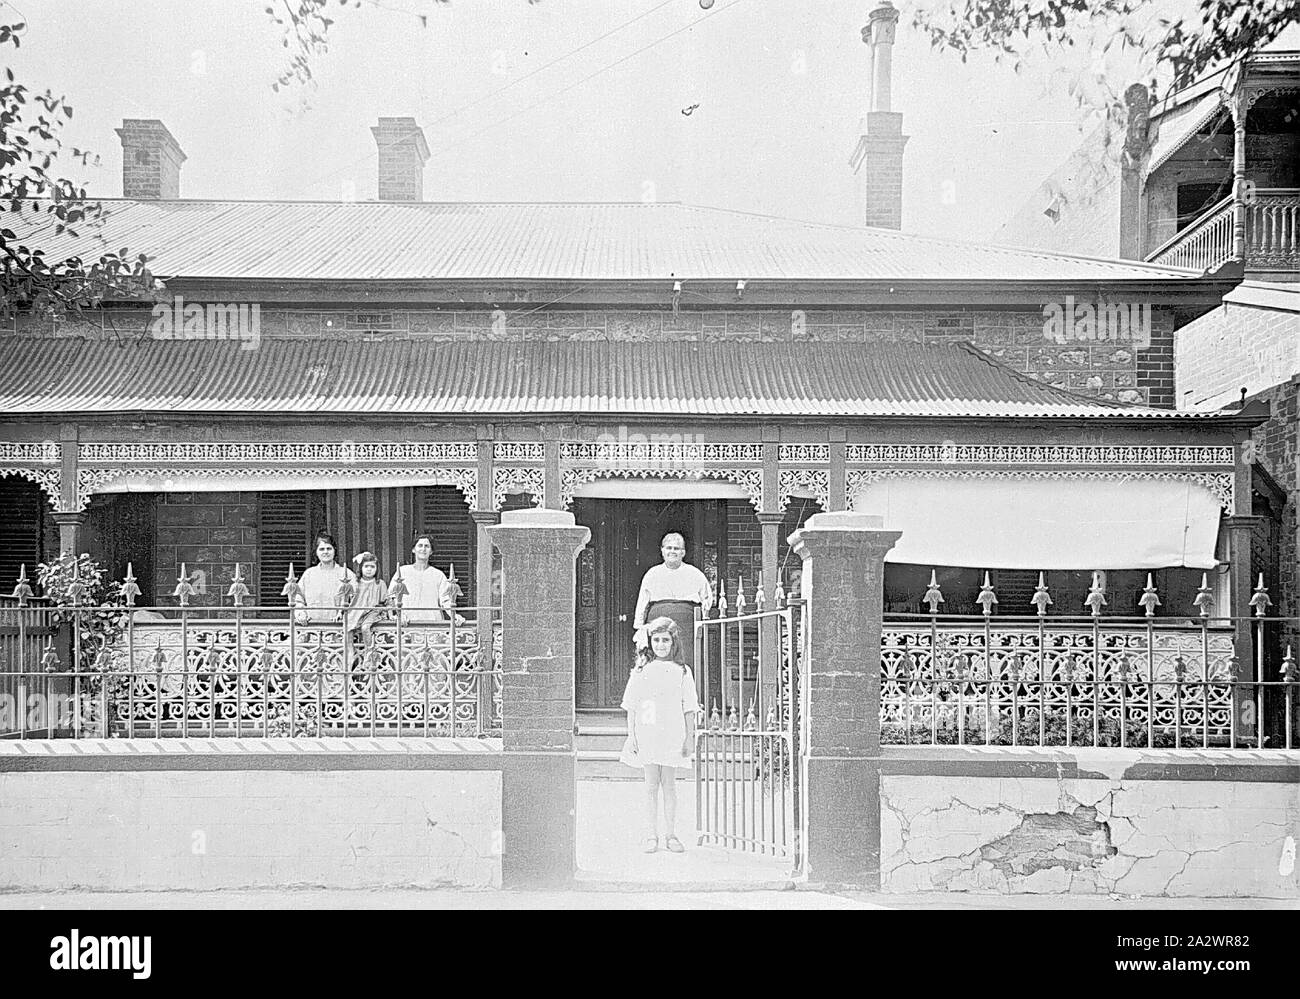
(747, 746)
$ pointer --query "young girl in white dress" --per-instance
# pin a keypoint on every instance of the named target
(661, 707)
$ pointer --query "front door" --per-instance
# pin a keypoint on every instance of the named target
(625, 537)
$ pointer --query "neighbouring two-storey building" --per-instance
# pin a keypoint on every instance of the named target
(1209, 179)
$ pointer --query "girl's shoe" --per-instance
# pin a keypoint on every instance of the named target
(674, 845)
(651, 844)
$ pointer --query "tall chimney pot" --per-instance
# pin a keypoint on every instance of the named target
(879, 153)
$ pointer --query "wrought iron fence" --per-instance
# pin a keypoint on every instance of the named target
(1134, 682)
(249, 671)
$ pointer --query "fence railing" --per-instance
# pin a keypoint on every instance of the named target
(1273, 229)
(1204, 244)
(1087, 681)
(1272, 234)
(24, 633)
(213, 672)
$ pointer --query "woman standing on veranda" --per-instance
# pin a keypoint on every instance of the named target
(324, 587)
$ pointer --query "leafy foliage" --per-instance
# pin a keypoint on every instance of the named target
(1125, 41)
(86, 601)
(30, 126)
(1179, 48)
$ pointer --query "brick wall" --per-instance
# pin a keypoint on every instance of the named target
(1236, 346)
(1108, 369)
(1241, 345)
(209, 533)
(744, 548)
(1276, 449)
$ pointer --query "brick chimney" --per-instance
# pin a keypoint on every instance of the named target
(151, 160)
(879, 154)
(402, 155)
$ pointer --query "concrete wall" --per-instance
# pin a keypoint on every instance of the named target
(233, 813)
(1211, 824)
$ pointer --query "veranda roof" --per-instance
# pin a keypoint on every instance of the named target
(408, 377)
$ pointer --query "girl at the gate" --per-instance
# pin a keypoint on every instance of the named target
(661, 708)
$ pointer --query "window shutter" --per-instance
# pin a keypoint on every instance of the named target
(282, 537)
(21, 512)
(445, 517)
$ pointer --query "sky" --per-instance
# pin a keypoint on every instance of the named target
(561, 100)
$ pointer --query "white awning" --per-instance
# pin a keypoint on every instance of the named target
(992, 522)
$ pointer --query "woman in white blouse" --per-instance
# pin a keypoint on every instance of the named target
(428, 592)
(324, 587)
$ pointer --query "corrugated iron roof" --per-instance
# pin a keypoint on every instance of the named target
(406, 377)
(381, 241)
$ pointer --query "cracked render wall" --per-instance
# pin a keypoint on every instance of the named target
(162, 823)
(1177, 838)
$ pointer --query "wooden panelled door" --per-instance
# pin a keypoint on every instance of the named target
(625, 537)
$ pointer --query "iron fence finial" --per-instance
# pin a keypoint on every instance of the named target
(779, 596)
(1096, 598)
(130, 588)
(397, 591)
(722, 597)
(1041, 598)
(1149, 600)
(933, 595)
(759, 598)
(987, 598)
(1289, 671)
(1204, 601)
(76, 588)
(158, 657)
(183, 587)
(740, 594)
(1261, 601)
(238, 591)
(23, 590)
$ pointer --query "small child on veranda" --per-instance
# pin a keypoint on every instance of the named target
(370, 598)
(661, 707)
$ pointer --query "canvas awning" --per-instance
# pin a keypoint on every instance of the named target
(1059, 522)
